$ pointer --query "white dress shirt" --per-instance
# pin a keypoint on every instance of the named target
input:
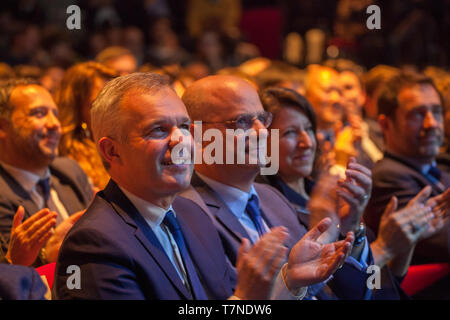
(236, 200)
(154, 217)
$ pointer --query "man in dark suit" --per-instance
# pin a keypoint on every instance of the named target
(137, 241)
(411, 117)
(226, 191)
(38, 187)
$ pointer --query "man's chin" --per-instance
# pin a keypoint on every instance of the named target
(429, 152)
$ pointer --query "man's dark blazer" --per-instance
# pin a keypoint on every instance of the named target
(395, 177)
(120, 257)
(350, 283)
(20, 283)
(68, 180)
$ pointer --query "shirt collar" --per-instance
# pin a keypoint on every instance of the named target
(424, 168)
(26, 179)
(234, 198)
(153, 214)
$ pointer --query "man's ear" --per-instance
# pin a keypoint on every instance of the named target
(108, 148)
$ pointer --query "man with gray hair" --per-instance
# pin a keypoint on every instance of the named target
(138, 240)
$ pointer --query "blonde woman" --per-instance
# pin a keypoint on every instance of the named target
(79, 88)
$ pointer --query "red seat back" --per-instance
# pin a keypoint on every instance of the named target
(421, 276)
(48, 271)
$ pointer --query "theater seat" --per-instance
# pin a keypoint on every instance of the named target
(421, 276)
(47, 271)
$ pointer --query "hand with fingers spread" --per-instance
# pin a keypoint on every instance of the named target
(257, 266)
(55, 241)
(440, 206)
(312, 262)
(400, 230)
(354, 193)
(29, 237)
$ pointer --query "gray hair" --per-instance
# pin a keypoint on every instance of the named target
(106, 110)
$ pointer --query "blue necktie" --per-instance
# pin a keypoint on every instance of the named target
(434, 175)
(44, 184)
(175, 230)
(435, 172)
(254, 213)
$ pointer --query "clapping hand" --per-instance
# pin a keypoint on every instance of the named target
(56, 239)
(27, 238)
(312, 262)
(257, 266)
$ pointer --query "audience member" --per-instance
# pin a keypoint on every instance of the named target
(119, 59)
(374, 80)
(79, 88)
(35, 183)
(295, 120)
(324, 94)
(138, 241)
(411, 118)
(227, 193)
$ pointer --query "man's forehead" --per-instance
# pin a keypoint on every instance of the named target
(234, 98)
(326, 79)
(158, 104)
(348, 77)
(418, 95)
(31, 95)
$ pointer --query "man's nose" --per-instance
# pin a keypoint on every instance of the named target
(430, 121)
(178, 136)
(258, 125)
(335, 96)
(52, 121)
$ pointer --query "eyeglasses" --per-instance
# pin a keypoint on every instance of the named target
(246, 121)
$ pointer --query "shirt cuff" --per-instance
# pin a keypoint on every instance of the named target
(280, 290)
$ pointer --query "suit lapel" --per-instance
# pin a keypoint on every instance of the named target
(68, 199)
(144, 234)
(223, 215)
(216, 208)
(270, 211)
(11, 189)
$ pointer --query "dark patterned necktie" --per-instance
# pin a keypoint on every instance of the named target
(171, 222)
(254, 213)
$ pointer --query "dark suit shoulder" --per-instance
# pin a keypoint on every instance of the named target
(20, 283)
(269, 191)
(276, 198)
(390, 170)
(68, 171)
(100, 227)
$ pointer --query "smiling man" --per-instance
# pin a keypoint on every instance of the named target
(138, 240)
(37, 186)
(411, 117)
(244, 209)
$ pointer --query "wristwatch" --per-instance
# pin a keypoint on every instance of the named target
(43, 255)
(360, 235)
